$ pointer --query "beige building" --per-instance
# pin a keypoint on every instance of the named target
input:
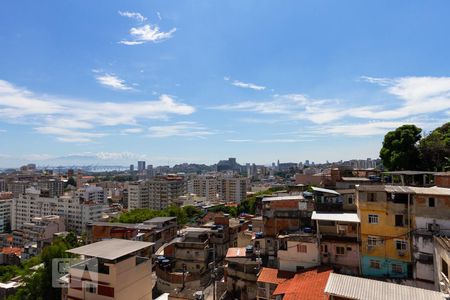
(114, 271)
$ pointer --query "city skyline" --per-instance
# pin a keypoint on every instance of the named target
(168, 83)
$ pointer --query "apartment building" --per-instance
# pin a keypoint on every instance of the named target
(281, 215)
(241, 272)
(112, 269)
(157, 193)
(431, 218)
(185, 264)
(40, 230)
(386, 214)
(163, 191)
(233, 189)
(91, 193)
(138, 195)
(54, 187)
(77, 213)
(18, 187)
(207, 186)
(5, 211)
(298, 251)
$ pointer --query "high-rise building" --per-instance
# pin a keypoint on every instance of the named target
(138, 195)
(131, 167)
(141, 166)
(233, 189)
(5, 213)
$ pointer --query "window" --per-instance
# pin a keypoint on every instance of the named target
(375, 264)
(301, 248)
(340, 250)
(372, 241)
(401, 245)
(396, 268)
(349, 248)
(350, 200)
(197, 266)
(431, 202)
(399, 221)
(324, 248)
(371, 197)
(373, 219)
(91, 287)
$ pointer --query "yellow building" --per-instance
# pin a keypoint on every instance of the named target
(386, 214)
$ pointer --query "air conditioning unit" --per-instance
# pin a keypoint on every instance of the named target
(435, 227)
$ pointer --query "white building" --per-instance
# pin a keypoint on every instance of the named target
(91, 193)
(233, 189)
(5, 214)
(75, 211)
(138, 195)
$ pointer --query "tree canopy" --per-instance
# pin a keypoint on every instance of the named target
(400, 148)
(435, 149)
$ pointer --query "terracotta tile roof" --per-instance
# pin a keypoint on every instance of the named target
(274, 276)
(309, 285)
(12, 250)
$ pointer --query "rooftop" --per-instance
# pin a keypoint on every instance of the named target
(327, 191)
(355, 179)
(308, 285)
(357, 288)
(274, 276)
(281, 198)
(125, 225)
(236, 252)
(408, 172)
(110, 249)
(160, 219)
(339, 217)
(434, 190)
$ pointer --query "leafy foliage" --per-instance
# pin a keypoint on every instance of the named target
(183, 214)
(435, 149)
(400, 150)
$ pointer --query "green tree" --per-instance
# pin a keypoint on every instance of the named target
(435, 148)
(400, 148)
(71, 182)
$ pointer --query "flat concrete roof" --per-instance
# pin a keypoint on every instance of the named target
(159, 220)
(340, 217)
(285, 198)
(110, 249)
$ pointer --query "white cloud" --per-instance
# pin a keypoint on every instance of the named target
(269, 141)
(52, 115)
(69, 135)
(247, 85)
(361, 129)
(112, 81)
(133, 15)
(413, 96)
(158, 14)
(148, 33)
(186, 129)
(131, 130)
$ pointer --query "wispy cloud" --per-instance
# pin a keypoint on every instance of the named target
(248, 85)
(112, 81)
(145, 33)
(158, 14)
(269, 141)
(69, 135)
(133, 15)
(185, 129)
(131, 130)
(51, 114)
(406, 97)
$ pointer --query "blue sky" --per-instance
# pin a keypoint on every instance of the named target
(196, 81)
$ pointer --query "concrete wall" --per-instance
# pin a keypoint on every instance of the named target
(290, 259)
(385, 267)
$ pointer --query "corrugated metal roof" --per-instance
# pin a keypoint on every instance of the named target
(236, 252)
(355, 179)
(350, 287)
(316, 189)
(434, 190)
(340, 217)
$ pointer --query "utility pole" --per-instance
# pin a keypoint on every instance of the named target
(214, 272)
